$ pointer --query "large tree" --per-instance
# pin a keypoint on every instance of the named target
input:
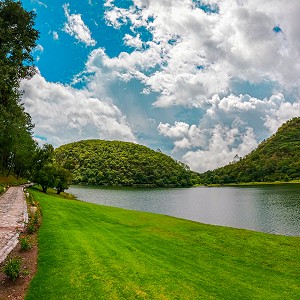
(17, 40)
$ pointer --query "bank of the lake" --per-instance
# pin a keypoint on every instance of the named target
(89, 251)
(270, 209)
(252, 183)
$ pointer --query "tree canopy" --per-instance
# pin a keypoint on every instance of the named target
(17, 40)
(276, 159)
(99, 162)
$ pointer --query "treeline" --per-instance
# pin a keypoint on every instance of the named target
(276, 159)
(20, 155)
(17, 39)
(99, 162)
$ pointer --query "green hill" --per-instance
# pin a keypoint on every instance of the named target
(99, 162)
(276, 159)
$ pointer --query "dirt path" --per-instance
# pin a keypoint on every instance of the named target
(13, 214)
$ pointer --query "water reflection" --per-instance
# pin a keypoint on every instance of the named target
(272, 209)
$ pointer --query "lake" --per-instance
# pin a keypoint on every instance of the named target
(269, 208)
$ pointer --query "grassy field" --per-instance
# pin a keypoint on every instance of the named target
(88, 251)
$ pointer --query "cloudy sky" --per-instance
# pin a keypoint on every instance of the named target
(201, 80)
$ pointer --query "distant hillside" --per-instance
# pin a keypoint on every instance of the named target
(121, 163)
(276, 159)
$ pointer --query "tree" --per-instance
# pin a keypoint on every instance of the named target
(17, 39)
(46, 177)
(63, 179)
(44, 155)
(45, 171)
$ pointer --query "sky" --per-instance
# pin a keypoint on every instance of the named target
(200, 80)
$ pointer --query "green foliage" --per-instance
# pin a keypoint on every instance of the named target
(12, 268)
(11, 180)
(63, 179)
(25, 243)
(31, 228)
(17, 40)
(276, 159)
(98, 162)
(49, 174)
(46, 177)
(30, 200)
(88, 251)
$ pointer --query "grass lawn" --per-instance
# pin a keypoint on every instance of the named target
(88, 251)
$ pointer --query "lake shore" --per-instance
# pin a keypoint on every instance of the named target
(250, 183)
(93, 251)
(266, 208)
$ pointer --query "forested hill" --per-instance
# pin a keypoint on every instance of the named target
(121, 163)
(276, 159)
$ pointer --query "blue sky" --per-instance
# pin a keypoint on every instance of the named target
(201, 80)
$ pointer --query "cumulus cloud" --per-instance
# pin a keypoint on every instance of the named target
(132, 41)
(196, 54)
(184, 135)
(63, 114)
(76, 27)
(276, 117)
(231, 125)
(221, 149)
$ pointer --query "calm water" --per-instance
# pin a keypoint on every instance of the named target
(272, 209)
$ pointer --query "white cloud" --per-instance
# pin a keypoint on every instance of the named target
(231, 125)
(39, 48)
(221, 150)
(40, 3)
(132, 41)
(55, 35)
(276, 117)
(63, 114)
(185, 136)
(197, 55)
(76, 27)
(192, 60)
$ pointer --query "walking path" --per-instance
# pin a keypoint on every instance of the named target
(13, 215)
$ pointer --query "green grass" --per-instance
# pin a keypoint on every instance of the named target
(88, 251)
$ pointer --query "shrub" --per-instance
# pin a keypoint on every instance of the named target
(24, 243)
(12, 268)
(36, 218)
(30, 228)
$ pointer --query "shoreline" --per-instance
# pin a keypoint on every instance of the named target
(254, 183)
(121, 253)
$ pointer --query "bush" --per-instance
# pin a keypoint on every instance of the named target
(31, 200)
(31, 228)
(12, 268)
(33, 223)
(36, 218)
(24, 243)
